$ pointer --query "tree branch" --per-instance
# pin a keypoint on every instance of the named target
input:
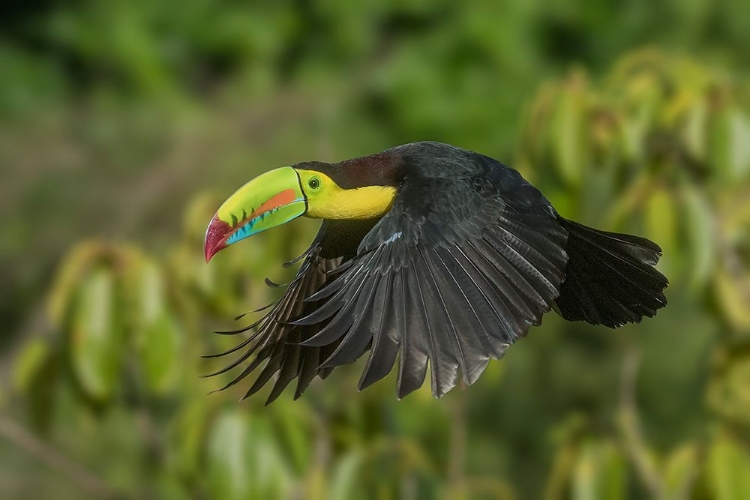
(51, 457)
(630, 427)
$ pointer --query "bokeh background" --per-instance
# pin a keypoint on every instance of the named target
(124, 124)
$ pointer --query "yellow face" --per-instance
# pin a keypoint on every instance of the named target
(326, 200)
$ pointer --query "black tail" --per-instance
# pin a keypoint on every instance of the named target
(610, 278)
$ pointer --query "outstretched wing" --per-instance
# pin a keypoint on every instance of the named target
(276, 341)
(451, 276)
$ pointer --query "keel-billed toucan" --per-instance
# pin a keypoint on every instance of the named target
(427, 254)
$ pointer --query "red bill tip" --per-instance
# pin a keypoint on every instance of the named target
(216, 235)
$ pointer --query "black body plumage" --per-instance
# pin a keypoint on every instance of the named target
(468, 258)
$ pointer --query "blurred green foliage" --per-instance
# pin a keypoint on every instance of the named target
(116, 116)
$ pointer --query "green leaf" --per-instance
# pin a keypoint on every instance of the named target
(187, 436)
(700, 230)
(149, 293)
(38, 375)
(728, 393)
(96, 335)
(731, 144)
(244, 461)
(345, 480)
(160, 354)
(294, 428)
(681, 469)
(630, 200)
(569, 134)
(729, 469)
(159, 339)
(599, 473)
(642, 96)
(695, 128)
(64, 287)
(731, 293)
(32, 358)
(661, 225)
(229, 458)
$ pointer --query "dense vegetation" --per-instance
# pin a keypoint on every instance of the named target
(124, 124)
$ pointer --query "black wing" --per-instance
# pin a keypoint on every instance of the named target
(452, 275)
(276, 341)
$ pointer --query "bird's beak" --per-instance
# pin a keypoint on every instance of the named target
(267, 201)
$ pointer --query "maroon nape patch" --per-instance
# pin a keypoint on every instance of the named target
(382, 169)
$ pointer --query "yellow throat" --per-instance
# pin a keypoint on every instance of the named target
(327, 200)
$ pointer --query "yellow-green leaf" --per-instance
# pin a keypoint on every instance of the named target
(680, 471)
(157, 335)
(344, 483)
(150, 293)
(295, 430)
(570, 134)
(661, 224)
(728, 393)
(731, 144)
(187, 434)
(642, 96)
(630, 200)
(695, 128)
(700, 231)
(599, 473)
(230, 463)
(244, 460)
(733, 297)
(160, 353)
(729, 469)
(33, 356)
(70, 272)
(96, 335)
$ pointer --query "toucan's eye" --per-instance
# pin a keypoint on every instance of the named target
(313, 183)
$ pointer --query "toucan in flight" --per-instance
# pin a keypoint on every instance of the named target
(427, 254)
